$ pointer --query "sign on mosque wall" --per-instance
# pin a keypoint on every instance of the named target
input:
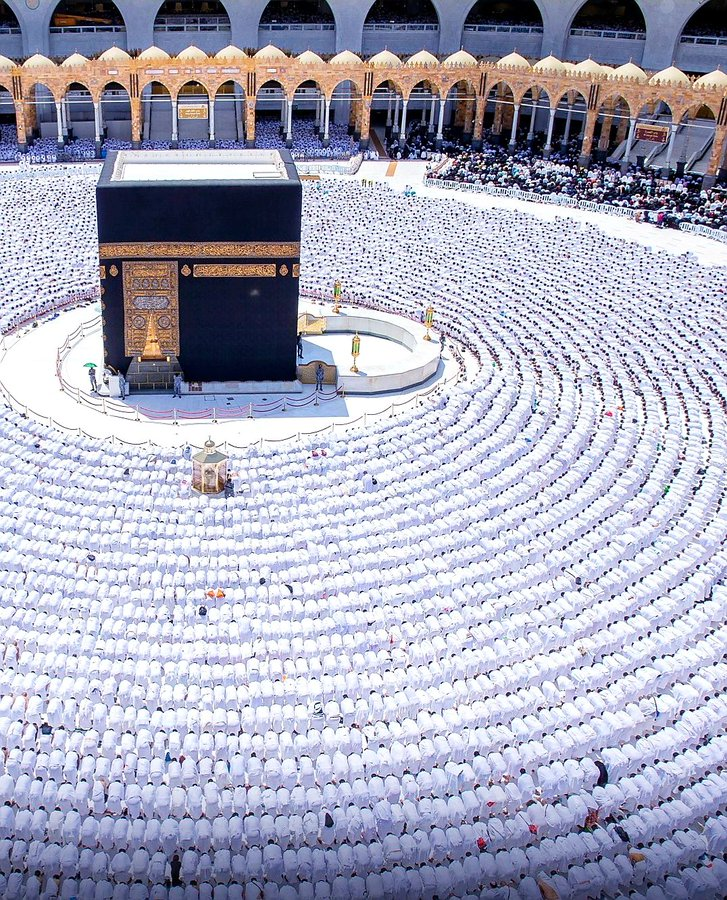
(657, 134)
(192, 111)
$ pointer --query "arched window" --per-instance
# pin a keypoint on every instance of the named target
(610, 15)
(157, 127)
(394, 11)
(71, 15)
(497, 27)
(402, 26)
(85, 27)
(11, 41)
(280, 12)
(710, 19)
(298, 25)
(204, 23)
(609, 31)
(191, 12)
(509, 12)
(115, 115)
(8, 20)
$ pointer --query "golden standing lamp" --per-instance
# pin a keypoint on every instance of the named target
(337, 296)
(355, 351)
(209, 469)
(428, 321)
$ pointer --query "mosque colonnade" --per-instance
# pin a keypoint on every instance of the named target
(588, 100)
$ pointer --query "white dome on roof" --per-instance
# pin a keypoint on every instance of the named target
(114, 54)
(460, 58)
(717, 79)
(630, 70)
(385, 59)
(672, 75)
(270, 52)
(75, 59)
(588, 67)
(193, 53)
(422, 58)
(230, 52)
(6, 63)
(550, 64)
(309, 58)
(37, 61)
(514, 61)
(154, 53)
(346, 57)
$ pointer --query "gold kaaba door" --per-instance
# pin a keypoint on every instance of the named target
(151, 309)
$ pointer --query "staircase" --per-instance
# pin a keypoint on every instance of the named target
(152, 375)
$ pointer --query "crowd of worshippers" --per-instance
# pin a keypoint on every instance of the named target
(540, 715)
(666, 202)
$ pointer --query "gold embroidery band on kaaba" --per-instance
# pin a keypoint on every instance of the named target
(199, 249)
(239, 270)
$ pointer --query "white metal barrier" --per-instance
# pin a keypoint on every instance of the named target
(704, 230)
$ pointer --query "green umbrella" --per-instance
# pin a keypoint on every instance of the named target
(90, 366)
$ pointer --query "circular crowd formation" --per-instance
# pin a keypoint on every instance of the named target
(477, 650)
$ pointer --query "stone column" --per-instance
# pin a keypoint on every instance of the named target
(440, 123)
(629, 144)
(588, 128)
(175, 125)
(289, 124)
(327, 123)
(365, 124)
(211, 119)
(513, 131)
(670, 149)
(432, 116)
(250, 123)
(533, 117)
(395, 122)
(604, 140)
(568, 120)
(64, 117)
(499, 112)
(621, 129)
(388, 114)
(479, 123)
(402, 130)
(59, 124)
(21, 125)
(97, 126)
(549, 139)
(135, 122)
(716, 157)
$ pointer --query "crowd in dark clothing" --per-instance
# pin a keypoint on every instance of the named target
(421, 144)
(306, 11)
(665, 201)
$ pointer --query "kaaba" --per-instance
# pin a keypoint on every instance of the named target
(199, 262)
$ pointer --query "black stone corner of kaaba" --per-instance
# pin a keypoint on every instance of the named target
(235, 247)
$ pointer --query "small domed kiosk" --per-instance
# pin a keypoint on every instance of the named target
(209, 469)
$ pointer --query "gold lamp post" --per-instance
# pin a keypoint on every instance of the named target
(355, 350)
(428, 321)
(337, 296)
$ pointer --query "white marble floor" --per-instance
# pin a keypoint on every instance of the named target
(28, 373)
